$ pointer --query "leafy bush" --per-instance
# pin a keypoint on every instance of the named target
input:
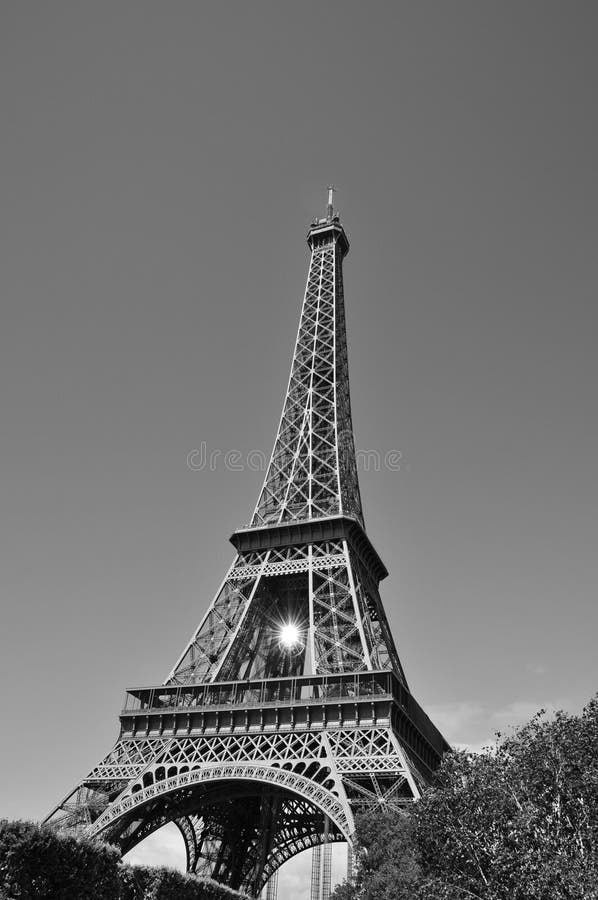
(35, 862)
(167, 884)
(38, 863)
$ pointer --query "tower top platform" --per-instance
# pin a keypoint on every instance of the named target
(325, 231)
(328, 228)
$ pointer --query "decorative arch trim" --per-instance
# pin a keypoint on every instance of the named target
(321, 797)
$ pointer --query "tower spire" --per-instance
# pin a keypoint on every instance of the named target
(312, 471)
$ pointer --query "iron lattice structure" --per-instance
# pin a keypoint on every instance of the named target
(288, 710)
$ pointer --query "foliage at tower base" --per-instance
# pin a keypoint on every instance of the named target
(516, 822)
(39, 863)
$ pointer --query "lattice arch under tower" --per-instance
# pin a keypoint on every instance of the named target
(288, 710)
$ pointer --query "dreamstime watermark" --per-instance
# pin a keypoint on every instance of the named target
(206, 459)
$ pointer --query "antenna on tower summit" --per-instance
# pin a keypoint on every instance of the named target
(330, 209)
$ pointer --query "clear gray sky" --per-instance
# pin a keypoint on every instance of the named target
(160, 164)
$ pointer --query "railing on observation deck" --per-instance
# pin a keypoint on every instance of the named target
(312, 689)
(261, 692)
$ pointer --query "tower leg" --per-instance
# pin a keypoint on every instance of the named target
(271, 889)
(349, 862)
(321, 866)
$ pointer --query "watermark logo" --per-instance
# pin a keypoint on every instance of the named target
(204, 458)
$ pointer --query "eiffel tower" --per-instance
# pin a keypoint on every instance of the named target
(288, 710)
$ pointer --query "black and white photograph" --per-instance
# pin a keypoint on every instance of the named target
(298, 448)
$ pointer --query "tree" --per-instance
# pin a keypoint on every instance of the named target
(386, 863)
(516, 822)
